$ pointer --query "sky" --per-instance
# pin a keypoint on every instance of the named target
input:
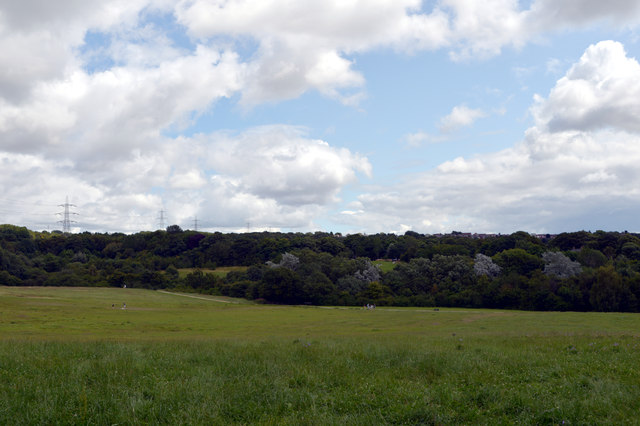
(350, 116)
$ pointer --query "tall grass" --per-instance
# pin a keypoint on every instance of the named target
(354, 381)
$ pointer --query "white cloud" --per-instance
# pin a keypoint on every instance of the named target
(301, 46)
(569, 171)
(38, 39)
(280, 163)
(283, 72)
(40, 185)
(306, 45)
(554, 66)
(559, 14)
(599, 176)
(100, 135)
(484, 28)
(105, 116)
(460, 116)
(102, 132)
(348, 26)
(191, 179)
(273, 177)
(601, 90)
(418, 139)
(460, 165)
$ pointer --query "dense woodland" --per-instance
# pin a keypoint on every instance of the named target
(579, 271)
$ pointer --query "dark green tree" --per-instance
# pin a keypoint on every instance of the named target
(518, 261)
(608, 293)
(281, 285)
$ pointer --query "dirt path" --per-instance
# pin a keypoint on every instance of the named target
(210, 299)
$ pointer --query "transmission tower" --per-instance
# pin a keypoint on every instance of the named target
(161, 219)
(66, 221)
(195, 223)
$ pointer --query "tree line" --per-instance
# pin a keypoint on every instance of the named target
(580, 271)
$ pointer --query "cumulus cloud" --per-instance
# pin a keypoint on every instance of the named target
(38, 39)
(348, 26)
(306, 45)
(105, 116)
(300, 46)
(34, 187)
(100, 133)
(460, 116)
(417, 139)
(273, 176)
(279, 162)
(576, 166)
(601, 90)
(483, 29)
(285, 73)
(102, 130)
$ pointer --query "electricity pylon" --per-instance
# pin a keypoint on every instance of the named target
(66, 221)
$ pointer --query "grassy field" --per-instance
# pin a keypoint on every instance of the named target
(73, 355)
(385, 265)
(219, 272)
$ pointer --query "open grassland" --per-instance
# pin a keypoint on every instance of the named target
(68, 356)
(385, 265)
(220, 272)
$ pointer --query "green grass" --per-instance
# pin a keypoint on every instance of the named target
(385, 265)
(220, 272)
(67, 356)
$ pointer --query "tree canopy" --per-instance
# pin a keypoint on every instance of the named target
(571, 271)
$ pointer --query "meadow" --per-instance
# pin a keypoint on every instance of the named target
(75, 356)
(219, 272)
